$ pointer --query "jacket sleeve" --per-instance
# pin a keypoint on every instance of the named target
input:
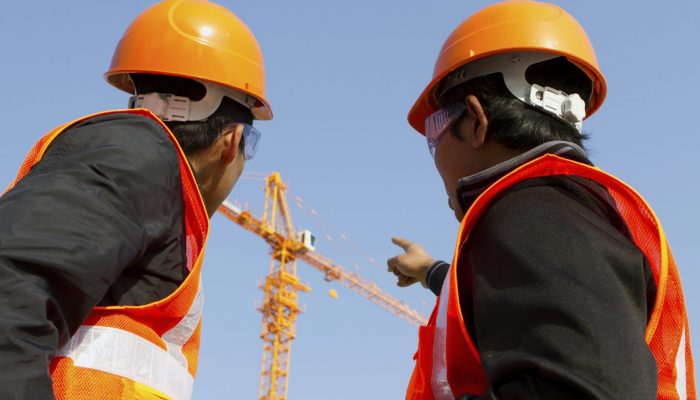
(558, 302)
(67, 231)
(435, 276)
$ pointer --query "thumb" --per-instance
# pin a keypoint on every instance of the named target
(403, 243)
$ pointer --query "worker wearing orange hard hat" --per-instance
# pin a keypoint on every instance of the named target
(562, 284)
(102, 233)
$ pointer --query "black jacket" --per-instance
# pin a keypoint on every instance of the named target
(556, 296)
(98, 221)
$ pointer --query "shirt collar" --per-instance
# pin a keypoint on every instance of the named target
(470, 187)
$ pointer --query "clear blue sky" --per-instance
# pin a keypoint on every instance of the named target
(341, 77)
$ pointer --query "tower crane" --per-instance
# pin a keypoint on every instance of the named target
(282, 285)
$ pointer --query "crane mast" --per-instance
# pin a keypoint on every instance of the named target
(281, 286)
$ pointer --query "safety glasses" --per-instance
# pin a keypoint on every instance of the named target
(251, 137)
(436, 124)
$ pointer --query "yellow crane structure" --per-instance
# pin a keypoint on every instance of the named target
(280, 307)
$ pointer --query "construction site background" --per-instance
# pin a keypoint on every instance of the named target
(342, 76)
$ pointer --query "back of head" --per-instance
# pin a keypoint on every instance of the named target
(517, 124)
(197, 135)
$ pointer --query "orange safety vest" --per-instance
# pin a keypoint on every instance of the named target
(137, 352)
(448, 363)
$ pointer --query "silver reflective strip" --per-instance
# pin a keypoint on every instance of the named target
(176, 337)
(122, 353)
(440, 385)
(680, 368)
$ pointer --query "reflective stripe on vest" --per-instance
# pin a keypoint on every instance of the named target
(440, 385)
(124, 352)
(449, 363)
(176, 337)
(681, 384)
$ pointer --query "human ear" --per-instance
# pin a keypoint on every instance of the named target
(476, 113)
(230, 142)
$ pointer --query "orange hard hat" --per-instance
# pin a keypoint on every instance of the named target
(193, 39)
(506, 27)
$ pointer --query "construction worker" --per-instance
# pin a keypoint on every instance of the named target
(562, 284)
(102, 233)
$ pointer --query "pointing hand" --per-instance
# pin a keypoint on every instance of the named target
(411, 266)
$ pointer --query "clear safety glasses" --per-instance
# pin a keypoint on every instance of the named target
(436, 124)
(251, 137)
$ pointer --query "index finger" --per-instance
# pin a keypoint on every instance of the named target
(401, 242)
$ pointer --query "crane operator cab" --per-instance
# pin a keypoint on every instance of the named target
(307, 239)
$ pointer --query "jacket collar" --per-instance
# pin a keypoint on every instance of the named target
(470, 187)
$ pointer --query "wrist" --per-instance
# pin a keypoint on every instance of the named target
(425, 278)
(436, 272)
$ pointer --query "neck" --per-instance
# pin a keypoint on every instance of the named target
(495, 154)
(470, 187)
(203, 176)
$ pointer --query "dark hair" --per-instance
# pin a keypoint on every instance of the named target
(194, 136)
(515, 124)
